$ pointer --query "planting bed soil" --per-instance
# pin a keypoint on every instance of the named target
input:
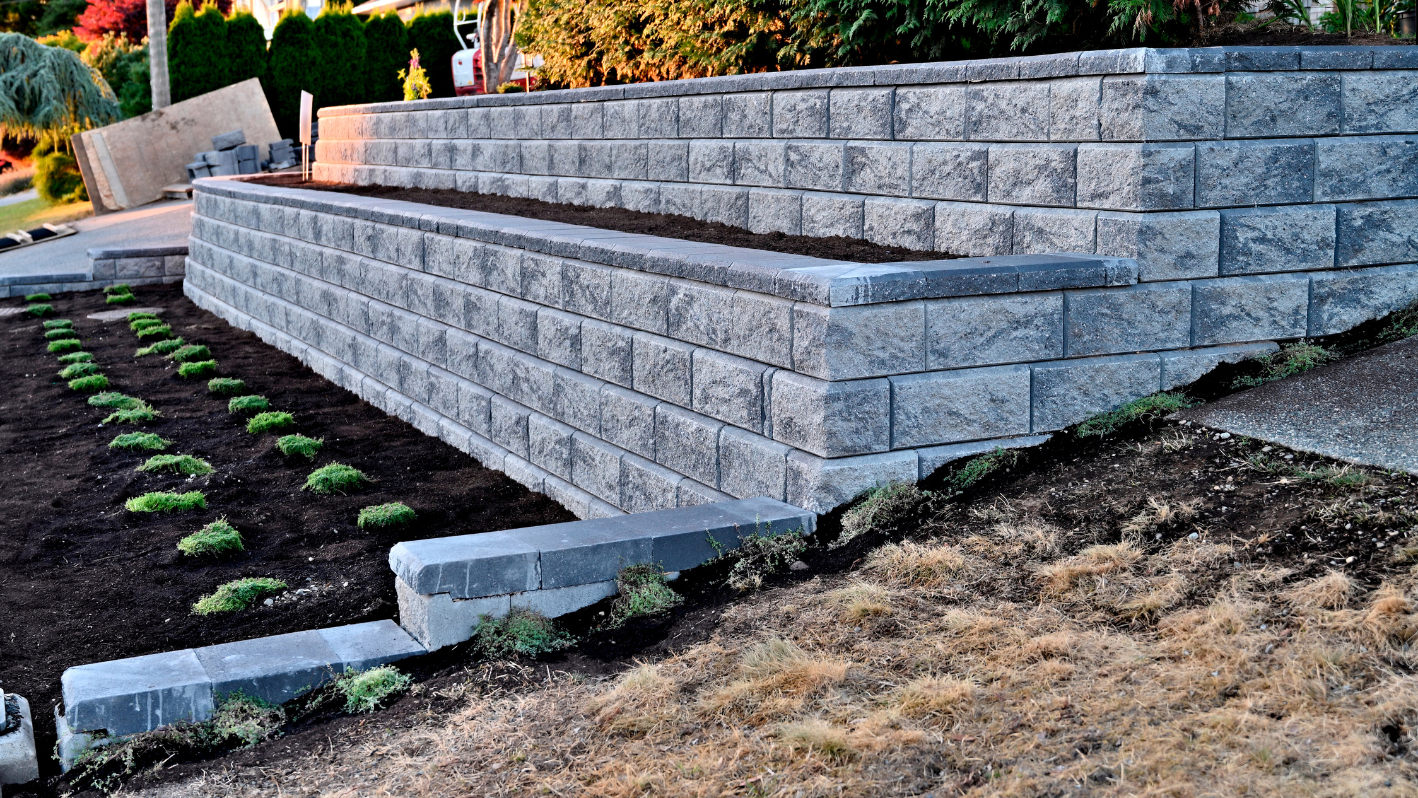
(83, 580)
(1283, 34)
(621, 220)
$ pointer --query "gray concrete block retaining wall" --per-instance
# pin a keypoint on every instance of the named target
(629, 373)
(1159, 155)
(134, 266)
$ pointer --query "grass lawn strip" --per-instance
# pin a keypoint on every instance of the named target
(189, 353)
(164, 347)
(247, 404)
(90, 384)
(58, 324)
(39, 310)
(225, 386)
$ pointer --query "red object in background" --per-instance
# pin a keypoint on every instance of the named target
(468, 73)
(128, 17)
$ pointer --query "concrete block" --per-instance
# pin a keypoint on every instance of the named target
(1376, 232)
(1033, 174)
(646, 487)
(1185, 367)
(1381, 101)
(536, 157)
(475, 407)
(595, 467)
(1043, 230)
(1166, 246)
(815, 165)
(517, 323)
(1259, 240)
(564, 158)
(688, 443)
(594, 160)
(1163, 108)
(438, 620)
(752, 465)
(959, 405)
(820, 486)
(559, 337)
(701, 117)
(275, 669)
(1366, 167)
(899, 222)
(361, 646)
(466, 566)
(576, 400)
(1342, 300)
(972, 230)
(773, 211)
(830, 419)
(640, 300)
(1145, 177)
(1133, 318)
(1008, 111)
(728, 388)
(137, 694)
(760, 328)
(693, 494)
(955, 171)
(748, 115)
(509, 426)
(1067, 392)
(606, 352)
(1073, 109)
(692, 535)
(700, 313)
(662, 368)
(659, 118)
(643, 197)
(577, 501)
(882, 168)
(979, 331)
(630, 160)
(860, 113)
(800, 114)
(1254, 173)
(628, 420)
(680, 199)
(859, 341)
(710, 161)
(1242, 309)
(1282, 104)
(19, 761)
(549, 445)
(832, 215)
(564, 600)
(760, 163)
(586, 288)
(923, 113)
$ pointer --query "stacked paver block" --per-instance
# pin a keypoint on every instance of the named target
(619, 372)
(107, 266)
(446, 585)
(19, 762)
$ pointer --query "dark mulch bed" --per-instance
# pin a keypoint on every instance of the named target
(621, 220)
(82, 580)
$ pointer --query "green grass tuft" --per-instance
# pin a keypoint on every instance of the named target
(143, 413)
(883, 505)
(980, 467)
(191, 353)
(1292, 359)
(75, 357)
(115, 400)
(157, 332)
(760, 555)
(120, 288)
(38, 297)
(144, 323)
(197, 369)
(121, 299)
(58, 324)
(335, 478)
(184, 464)
(39, 310)
(161, 348)
(238, 595)
(1148, 408)
(244, 719)
(89, 384)
(365, 691)
(381, 516)
(139, 442)
(78, 370)
(521, 632)
(216, 538)
(60, 334)
(266, 422)
(67, 345)
(226, 386)
(164, 502)
(643, 592)
(247, 404)
(299, 444)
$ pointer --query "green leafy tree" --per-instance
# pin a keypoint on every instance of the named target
(49, 93)
(432, 35)
(292, 66)
(245, 48)
(56, 176)
(340, 43)
(386, 52)
(196, 51)
(125, 66)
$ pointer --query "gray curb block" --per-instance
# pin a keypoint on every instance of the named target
(19, 763)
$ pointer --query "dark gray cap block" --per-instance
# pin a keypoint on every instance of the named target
(467, 566)
(274, 669)
(138, 694)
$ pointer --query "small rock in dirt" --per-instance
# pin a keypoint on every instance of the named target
(1267, 448)
(269, 602)
(798, 565)
(302, 592)
(1224, 436)
(1193, 536)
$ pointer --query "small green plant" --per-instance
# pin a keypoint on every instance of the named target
(139, 442)
(77, 370)
(299, 444)
(226, 386)
(39, 311)
(385, 515)
(245, 719)
(60, 334)
(121, 299)
(521, 632)
(882, 505)
(38, 297)
(1148, 408)
(67, 345)
(1401, 324)
(154, 332)
(762, 555)
(191, 353)
(335, 478)
(120, 288)
(75, 357)
(980, 467)
(58, 324)
(366, 691)
(1335, 476)
(247, 404)
(216, 538)
(89, 384)
(114, 399)
(165, 502)
(141, 414)
(415, 79)
(238, 595)
(184, 464)
(266, 422)
(197, 369)
(166, 347)
(1292, 359)
(140, 324)
(643, 591)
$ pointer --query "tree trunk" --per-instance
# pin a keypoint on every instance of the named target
(497, 22)
(157, 53)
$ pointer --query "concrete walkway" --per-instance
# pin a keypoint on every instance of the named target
(1363, 410)
(23, 196)
(157, 225)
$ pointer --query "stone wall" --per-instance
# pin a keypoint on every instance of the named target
(618, 372)
(1196, 162)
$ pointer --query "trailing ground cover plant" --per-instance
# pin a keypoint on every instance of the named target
(247, 404)
(237, 595)
(164, 347)
(299, 444)
(60, 333)
(121, 299)
(38, 297)
(191, 353)
(1292, 359)
(66, 345)
(89, 384)
(519, 633)
(335, 478)
(980, 467)
(38, 311)
(165, 502)
(762, 555)
(138, 414)
(226, 386)
(114, 399)
(75, 357)
(139, 442)
(120, 288)
(1148, 408)
(643, 591)
(214, 539)
(154, 332)
(266, 422)
(197, 369)
(383, 516)
(366, 691)
(58, 324)
(882, 505)
(77, 370)
(184, 464)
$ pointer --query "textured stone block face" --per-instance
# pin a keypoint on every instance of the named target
(662, 368)
(509, 426)
(549, 445)
(979, 331)
(630, 160)
(1342, 300)
(711, 161)
(668, 160)
(860, 113)
(595, 467)
(628, 420)
(761, 328)
(1008, 111)
(860, 341)
(752, 465)
(878, 168)
(1144, 177)
(832, 215)
(1033, 174)
(1131, 319)
(973, 230)
(930, 112)
(640, 300)
(815, 165)
(701, 117)
(606, 352)
(1188, 366)
(1370, 167)
(949, 171)
(273, 669)
(748, 115)
(1242, 309)
(1254, 173)
(1067, 392)
(1282, 104)
(1043, 230)
(659, 118)
(772, 211)
(1167, 246)
(759, 163)
(138, 694)
(1073, 109)
(646, 487)
(959, 405)
(899, 222)
(1381, 101)
(800, 114)
(729, 389)
(817, 485)
(1163, 108)
(1257, 240)
(688, 443)
(724, 205)
(1376, 232)
(831, 419)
